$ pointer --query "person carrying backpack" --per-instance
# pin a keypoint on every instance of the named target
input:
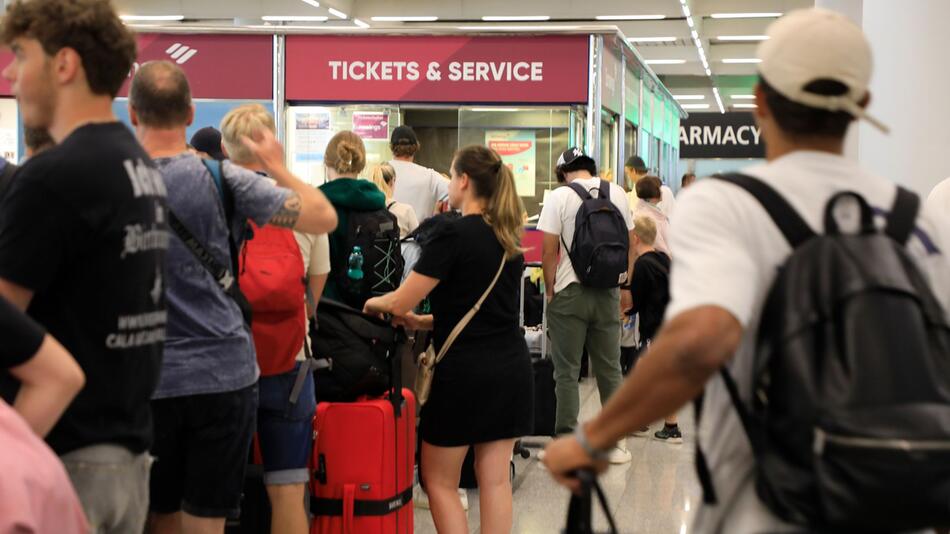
(809, 300)
(276, 269)
(588, 222)
(365, 253)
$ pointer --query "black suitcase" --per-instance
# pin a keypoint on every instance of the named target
(545, 401)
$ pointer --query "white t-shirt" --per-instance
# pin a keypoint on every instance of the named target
(644, 209)
(419, 187)
(667, 200)
(558, 215)
(728, 252)
(405, 216)
(315, 250)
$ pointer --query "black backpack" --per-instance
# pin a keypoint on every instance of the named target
(599, 252)
(360, 350)
(377, 234)
(850, 417)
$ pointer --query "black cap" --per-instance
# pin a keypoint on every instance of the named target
(403, 135)
(208, 140)
(636, 163)
(571, 155)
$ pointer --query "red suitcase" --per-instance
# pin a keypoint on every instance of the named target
(363, 457)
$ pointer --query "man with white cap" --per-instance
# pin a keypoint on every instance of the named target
(813, 82)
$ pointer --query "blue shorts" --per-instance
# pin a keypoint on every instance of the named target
(285, 430)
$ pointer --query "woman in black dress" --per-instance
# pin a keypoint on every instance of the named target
(482, 390)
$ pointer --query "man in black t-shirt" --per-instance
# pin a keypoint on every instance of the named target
(82, 245)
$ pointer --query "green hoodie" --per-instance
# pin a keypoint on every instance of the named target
(347, 195)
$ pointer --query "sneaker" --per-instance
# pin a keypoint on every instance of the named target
(619, 455)
(421, 500)
(669, 434)
(642, 433)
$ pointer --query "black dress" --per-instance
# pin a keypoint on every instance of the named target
(483, 388)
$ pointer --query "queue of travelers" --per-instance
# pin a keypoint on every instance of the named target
(159, 298)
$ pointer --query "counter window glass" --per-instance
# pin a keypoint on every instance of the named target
(529, 140)
(309, 129)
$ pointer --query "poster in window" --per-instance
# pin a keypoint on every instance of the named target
(517, 149)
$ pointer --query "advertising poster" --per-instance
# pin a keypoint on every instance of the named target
(8, 130)
(312, 134)
(371, 125)
(517, 149)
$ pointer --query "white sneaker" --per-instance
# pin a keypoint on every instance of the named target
(421, 500)
(619, 455)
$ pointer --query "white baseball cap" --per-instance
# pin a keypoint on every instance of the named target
(817, 44)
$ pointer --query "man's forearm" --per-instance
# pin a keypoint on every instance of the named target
(317, 215)
(549, 268)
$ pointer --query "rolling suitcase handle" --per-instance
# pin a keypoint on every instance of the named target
(579, 512)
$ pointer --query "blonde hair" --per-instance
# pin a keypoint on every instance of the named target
(494, 182)
(244, 121)
(345, 154)
(383, 176)
(645, 228)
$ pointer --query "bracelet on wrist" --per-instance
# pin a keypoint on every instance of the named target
(598, 455)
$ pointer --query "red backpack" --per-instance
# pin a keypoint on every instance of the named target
(273, 280)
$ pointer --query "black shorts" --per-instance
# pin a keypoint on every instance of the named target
(201, 451)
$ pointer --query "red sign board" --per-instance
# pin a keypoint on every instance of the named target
(218, 66)
(535, 69)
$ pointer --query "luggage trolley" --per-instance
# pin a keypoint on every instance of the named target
(538, 347)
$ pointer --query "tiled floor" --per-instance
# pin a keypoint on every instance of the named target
(652, 494)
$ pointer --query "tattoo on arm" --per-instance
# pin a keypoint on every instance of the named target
(287, 215)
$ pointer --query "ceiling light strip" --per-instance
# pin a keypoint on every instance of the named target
(741, 60)
(313, 3)
(718, 99)
(143, 18)
(414, 18)
(665, 61)
(516, 18)
(630, 17)
(337, 13)
(745, 15)
(652, 39)
(293, 18)
(689, 97)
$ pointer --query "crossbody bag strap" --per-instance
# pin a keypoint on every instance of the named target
(221, 274)
(471, 313)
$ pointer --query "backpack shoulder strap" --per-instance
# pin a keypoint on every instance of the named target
(605, 189)
(216, 169)
(579, 189)
(789, 222)
(900, 221)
